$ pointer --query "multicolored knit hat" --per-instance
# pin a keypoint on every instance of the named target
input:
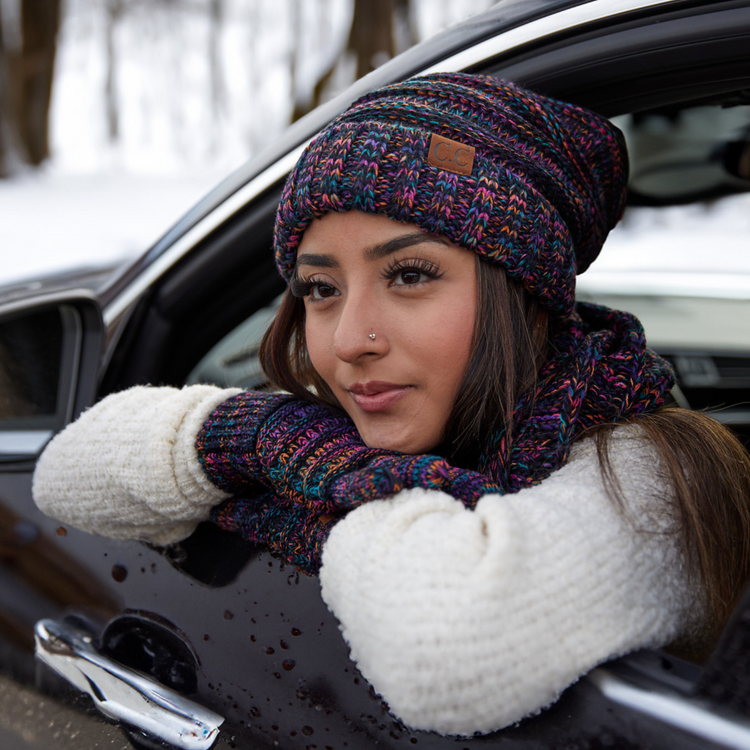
(526, 181)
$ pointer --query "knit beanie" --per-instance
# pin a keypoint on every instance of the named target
(524, 180)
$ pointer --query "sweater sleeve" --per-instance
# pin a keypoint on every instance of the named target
(128, 467)
(467, 621)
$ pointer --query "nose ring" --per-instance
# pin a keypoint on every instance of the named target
(372, 336)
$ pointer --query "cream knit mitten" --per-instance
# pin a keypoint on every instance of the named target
(128, 468)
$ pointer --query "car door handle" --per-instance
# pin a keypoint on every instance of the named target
(122, 693)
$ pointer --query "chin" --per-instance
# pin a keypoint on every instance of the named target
(408, 444)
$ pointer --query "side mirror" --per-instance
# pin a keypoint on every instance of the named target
(50, 349)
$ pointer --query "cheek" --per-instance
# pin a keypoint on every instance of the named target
(319, 349)
(445, 342)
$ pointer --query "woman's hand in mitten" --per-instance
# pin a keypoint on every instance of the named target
(316, 468)
(297, 530)
(389, 473)
(313, 454)
(294, 447)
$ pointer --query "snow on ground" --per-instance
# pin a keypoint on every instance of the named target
(56, 220)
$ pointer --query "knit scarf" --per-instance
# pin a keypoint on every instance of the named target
(294, 467)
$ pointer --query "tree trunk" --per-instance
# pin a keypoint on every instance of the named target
(299, 108)
(216, 17)
(114, 11)
(40, 21)
(8, 141)
(405, 30)
(371, 35)
(372, 41)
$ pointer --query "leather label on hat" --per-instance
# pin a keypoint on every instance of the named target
(449, 155)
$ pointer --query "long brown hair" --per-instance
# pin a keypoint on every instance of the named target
(708, 471)
(707, 467)
(509, 346)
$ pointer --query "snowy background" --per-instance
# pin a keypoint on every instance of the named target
(150, 113)
(191, 98)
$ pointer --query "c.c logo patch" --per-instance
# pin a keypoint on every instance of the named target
(451, 156)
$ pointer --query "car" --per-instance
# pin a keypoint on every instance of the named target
(214, 643)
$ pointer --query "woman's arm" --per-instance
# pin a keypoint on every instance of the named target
(149, 463)
(468, 621)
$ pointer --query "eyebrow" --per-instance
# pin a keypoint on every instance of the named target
(377, 252)
(399, 243)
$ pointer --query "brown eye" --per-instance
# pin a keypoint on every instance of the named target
(323, 291)
(410, 276)
(411, 272)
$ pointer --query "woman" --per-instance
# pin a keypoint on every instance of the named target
(484, 468)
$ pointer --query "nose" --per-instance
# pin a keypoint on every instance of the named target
(360, 331)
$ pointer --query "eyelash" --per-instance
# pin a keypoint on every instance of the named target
(427, 267)
(302, 287)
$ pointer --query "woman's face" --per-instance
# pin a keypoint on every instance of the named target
(390, 316)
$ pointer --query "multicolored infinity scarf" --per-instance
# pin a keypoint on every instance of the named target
(294, 468)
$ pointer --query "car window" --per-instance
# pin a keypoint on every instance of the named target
(30, 351)
(677, 323)
(30, 363)
(678, 259)
(683, 153)
(234, 362)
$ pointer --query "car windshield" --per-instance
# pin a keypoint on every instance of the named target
(683, 269)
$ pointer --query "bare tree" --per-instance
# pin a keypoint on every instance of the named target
(8, 138)
(380, 29)
(404, 28)
(300, 107)
(26, 75)
(371, 39)
(216, 17)
(40, 22)
(115, 10)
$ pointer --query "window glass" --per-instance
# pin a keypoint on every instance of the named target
(233, 362)
(30, 358)
(679, 258)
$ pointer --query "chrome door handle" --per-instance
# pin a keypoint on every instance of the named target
(122, 693)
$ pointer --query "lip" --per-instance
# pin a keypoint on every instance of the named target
(377, 395)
